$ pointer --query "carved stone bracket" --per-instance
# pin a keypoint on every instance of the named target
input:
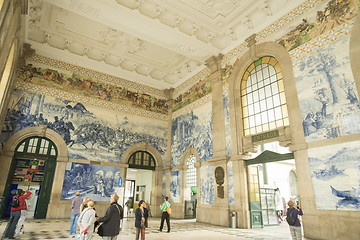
(251, 43)
(214, 63)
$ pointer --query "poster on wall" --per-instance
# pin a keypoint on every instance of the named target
(29, 170)
(96, 182)
(335, 172)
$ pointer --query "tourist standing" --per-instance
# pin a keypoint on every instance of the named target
(75, 212)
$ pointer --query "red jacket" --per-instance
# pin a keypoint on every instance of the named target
(22, 204)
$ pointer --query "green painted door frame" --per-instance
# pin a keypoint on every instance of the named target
(46, 185)
(254, 185)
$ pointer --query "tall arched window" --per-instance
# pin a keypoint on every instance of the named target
(191, 172)
(263, 97)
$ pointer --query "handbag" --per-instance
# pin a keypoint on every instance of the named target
(168, 210)
(100, 230)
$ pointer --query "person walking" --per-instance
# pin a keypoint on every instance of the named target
(141, 216)
(16, 213)
(75, 213)
(295, 228)
(165, 215)
(112, 218)
(20, 224)
(86, 221)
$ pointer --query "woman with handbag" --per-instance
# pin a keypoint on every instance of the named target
(141, 216)
(86, 221)
(110, 228)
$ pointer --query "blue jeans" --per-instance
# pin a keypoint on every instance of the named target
(73, 224)
(10, 228)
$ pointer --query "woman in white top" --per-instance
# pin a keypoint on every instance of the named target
(86, 222)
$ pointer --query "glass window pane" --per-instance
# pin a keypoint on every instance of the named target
(269, 103)
(264, 117)
(268, 92)
(274, 88)
(251, 109)
(259, 75)
(256, 96)
(279, 123)
(266, 72)
(282, 98)
(278, 114)
(262, 93)
(271, 115)
(272, 72)
(257, 107)
(252, 121)
(262, 105)
(276, 100)
(281, 85)
(246, 123)
(258, 119)
(284, 111)
(250, 98)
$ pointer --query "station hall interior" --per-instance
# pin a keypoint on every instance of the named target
(231, 108)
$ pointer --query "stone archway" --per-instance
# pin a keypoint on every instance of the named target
(40, 131)
(157, 176)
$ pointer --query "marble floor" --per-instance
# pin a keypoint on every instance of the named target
(180, 230)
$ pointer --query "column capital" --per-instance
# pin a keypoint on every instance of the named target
(214, 63)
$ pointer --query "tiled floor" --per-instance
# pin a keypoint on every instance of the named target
(180, 230)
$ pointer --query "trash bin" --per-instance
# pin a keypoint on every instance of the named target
(233, 219)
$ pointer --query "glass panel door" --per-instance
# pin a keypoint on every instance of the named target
(254, 195)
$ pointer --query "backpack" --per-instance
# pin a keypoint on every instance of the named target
(290, 218)
(15, 202)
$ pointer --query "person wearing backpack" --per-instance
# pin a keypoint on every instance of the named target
(293, 220)
(17, 205)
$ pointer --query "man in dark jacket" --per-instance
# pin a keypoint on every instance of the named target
(112, 218)
(15, 213)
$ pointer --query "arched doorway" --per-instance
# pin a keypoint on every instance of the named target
(139, 177)
(32, 168)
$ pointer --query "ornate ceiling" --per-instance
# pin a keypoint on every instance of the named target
(159, 43)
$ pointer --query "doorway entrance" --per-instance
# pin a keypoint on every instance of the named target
(139, 181)
(270, 184)
(32, 168)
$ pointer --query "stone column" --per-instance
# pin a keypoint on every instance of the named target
(218, 119)
(219, 211)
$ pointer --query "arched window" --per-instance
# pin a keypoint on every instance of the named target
(38, 146)
(191, 172)
(142, 160)
(263, 97)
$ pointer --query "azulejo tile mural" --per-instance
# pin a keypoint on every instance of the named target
(327, 93)
(175, 186)
(207, 184)
(90, 132)
(335, 172)
(96, 182)
(192, 129)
